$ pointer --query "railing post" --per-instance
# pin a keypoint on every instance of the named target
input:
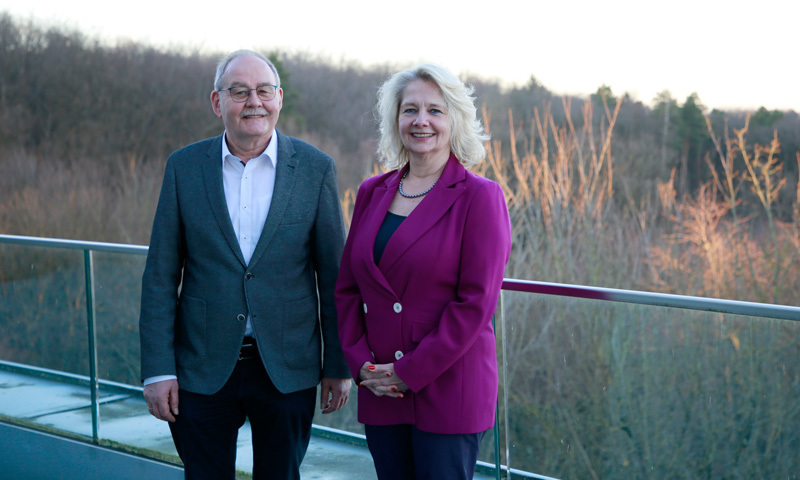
(503, 344)
(496, 429)
(88, 265)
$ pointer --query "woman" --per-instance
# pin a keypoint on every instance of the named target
(419, 282)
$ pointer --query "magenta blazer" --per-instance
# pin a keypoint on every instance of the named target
(428, 305)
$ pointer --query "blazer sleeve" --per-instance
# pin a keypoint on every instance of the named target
(485, 249)
(349, 303)
(160, 282)
(327, 245)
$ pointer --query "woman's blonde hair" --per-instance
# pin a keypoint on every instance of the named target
(467, 136)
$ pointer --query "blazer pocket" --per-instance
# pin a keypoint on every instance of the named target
(190, 332)
(301, 343)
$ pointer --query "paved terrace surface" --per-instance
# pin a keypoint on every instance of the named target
(58, 405)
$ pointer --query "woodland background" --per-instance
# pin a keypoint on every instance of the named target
(603, 190)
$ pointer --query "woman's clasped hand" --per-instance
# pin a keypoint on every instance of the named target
(381, 380)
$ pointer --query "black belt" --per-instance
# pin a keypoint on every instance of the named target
(249, 349)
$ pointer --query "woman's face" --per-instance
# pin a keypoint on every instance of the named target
(424, 120)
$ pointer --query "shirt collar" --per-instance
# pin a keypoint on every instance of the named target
(271, 152)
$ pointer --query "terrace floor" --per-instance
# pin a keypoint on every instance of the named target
(60, 408)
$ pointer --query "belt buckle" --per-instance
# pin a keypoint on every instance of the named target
(247, 351)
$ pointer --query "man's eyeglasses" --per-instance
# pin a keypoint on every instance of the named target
(241, 94)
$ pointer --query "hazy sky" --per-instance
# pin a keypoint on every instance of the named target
(734, 54)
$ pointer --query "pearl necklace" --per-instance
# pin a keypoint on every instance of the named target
(400, 187)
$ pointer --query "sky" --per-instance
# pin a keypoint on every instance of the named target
(736, 55)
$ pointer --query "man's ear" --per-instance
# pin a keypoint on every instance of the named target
(215, 103)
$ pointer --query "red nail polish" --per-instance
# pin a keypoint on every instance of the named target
(371, 367)
(394, 389)
(388, 374)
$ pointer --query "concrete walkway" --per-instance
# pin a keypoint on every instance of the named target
(63, 405)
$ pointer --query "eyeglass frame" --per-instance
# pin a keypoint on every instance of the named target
(250, 91)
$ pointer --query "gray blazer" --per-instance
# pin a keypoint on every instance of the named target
(197, 290)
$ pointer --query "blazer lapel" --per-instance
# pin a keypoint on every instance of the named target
(435, 204)
(381, 199)
(285, 169)
(212, 175)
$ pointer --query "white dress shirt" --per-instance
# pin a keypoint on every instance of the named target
(248, 193)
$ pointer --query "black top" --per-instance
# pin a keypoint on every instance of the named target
(388, 227)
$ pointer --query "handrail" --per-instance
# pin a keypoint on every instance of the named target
(73, 244)
(736, 307)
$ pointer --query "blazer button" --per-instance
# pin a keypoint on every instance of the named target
(365, 308)
(398, 355)
(241, 317)
(397, 308)
(249, 275)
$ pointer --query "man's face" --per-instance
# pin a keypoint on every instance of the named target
(254, 120)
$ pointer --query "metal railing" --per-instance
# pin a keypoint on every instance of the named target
(88, 249)
(686, 302)
(509, 285)
(705, 304)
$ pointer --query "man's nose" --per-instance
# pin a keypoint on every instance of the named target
(252, 98)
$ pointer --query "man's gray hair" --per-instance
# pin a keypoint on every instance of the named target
(223, 65)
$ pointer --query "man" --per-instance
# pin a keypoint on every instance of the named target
(237, 293)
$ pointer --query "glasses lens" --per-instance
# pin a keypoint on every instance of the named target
(239, 94)
(266, 92)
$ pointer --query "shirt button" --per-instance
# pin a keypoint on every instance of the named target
(249, 275)
(241, 317)
(398, 355)
(397, 308)
(365, 308)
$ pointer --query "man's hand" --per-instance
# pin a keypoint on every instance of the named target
(333, 394)
(162, 399)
